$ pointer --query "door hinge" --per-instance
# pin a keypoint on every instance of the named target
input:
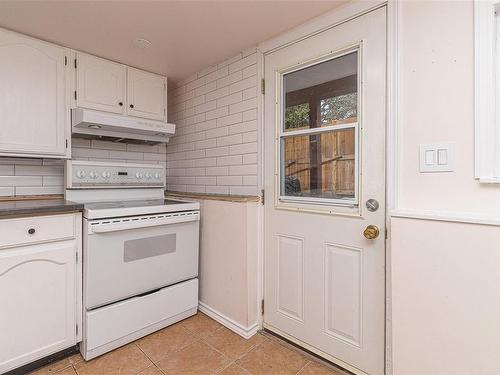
(65, 60)
(66, 143)
(75, 64)
(262, 196)
(75, 94)
(76, 258)
(263, 86)
(262, 307)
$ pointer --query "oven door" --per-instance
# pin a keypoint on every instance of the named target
(125, 257)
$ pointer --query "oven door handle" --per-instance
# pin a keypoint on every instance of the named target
(135, 224)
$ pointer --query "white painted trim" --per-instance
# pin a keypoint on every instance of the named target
(322, 23)
(448, 216)
(393, 134)
(261, 211)
(245, 332)
(487, 137)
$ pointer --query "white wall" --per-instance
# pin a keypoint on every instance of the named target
(215, 146)
(437, 104)
(444, 275)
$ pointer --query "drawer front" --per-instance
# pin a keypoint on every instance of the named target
(28, 230)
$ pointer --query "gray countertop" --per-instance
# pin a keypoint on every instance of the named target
(37, 207)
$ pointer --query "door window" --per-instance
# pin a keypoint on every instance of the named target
(319, 132)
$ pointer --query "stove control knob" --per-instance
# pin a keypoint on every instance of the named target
(80, 174)
(138, 175)
(157, 175)
(94, 174)
(148, 175)
(105, 174)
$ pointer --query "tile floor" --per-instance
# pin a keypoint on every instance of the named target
(197, 345)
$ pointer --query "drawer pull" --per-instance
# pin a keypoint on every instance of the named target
(31, 231)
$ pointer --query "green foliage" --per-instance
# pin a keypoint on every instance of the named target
(297, 116)
(338, 108)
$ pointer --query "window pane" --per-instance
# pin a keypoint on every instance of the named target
(319, 166)
(322, 95)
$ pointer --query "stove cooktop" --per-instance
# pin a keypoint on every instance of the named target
(95, 210)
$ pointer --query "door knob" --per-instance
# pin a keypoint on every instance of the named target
(371, 232)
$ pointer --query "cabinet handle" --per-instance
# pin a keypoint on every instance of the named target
(120, 104)
(31, 230)
(131, 106)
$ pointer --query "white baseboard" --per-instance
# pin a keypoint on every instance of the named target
(245, 332)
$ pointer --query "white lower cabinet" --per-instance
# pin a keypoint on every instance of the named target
(40, 291)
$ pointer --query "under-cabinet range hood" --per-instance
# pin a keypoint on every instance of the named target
(97, 124)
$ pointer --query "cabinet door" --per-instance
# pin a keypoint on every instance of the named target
(100, 84)
(34, 116)
(38, 291)
(145, 94)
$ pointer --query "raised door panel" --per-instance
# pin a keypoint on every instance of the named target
(100, 84)
(33, 110)
(38, 292)
(146, 93)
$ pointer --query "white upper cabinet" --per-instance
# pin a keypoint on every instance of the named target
(101, 84)
(34, 97)
(146, 94)
(107, 86)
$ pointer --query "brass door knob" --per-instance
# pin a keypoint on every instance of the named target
(371, 232)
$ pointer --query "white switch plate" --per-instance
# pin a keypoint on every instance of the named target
(437, 157)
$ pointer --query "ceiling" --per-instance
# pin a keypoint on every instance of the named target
(186, 36)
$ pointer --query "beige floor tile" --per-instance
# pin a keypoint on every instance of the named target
(159, 344)
(232, 345)
(197, 358)
(272, 358)
(151, 370)
(75, 358)
(314, 368)
(201, 325)
(53, 368)
(234, 369)
(128, 359)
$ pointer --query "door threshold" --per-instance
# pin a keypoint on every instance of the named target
(310, 352)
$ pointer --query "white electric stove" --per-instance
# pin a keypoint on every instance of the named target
(140, 252)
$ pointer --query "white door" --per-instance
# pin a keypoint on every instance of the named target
(38, 294)
(34, 117)
(101, 84)
(146, 94)
(324, 166)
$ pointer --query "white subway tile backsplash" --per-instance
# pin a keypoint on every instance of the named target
(243, 170)
(217, 189)
(39, 190)
(243, 190)
(229, 140)
(20, 181)
(7, 191)
(228, 120)
(217, 113)
(38, 170)
(229, 180)
(53, 180)
(6, 170)
(230, 99)
(215, 146)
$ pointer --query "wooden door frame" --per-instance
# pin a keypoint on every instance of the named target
(322, 23)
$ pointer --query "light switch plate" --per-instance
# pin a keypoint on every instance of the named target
(437, 157)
